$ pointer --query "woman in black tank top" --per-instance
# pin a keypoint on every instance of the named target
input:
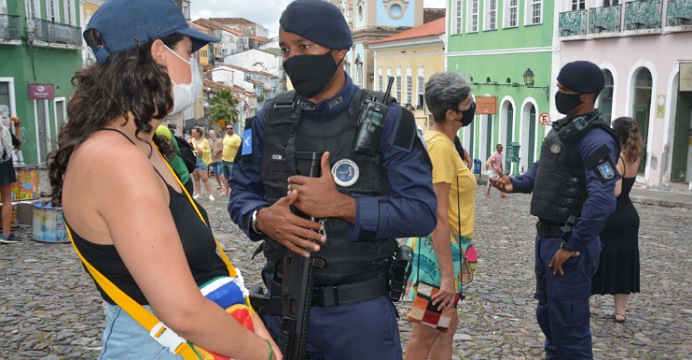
(129, 218)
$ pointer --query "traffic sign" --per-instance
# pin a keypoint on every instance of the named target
(544, 119)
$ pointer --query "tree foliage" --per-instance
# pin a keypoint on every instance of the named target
(223, 106)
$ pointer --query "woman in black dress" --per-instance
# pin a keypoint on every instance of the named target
(9, 143)
(618, 270)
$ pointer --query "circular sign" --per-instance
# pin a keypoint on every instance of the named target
(345, 172)
(544, 118)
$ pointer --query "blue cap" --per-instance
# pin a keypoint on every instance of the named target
(583, 77)
(125, 24)
(319, 22)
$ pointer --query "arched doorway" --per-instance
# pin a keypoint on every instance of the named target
(605, 99)
(681, 171)
(643, 86)
(528, 136)
(506, 123)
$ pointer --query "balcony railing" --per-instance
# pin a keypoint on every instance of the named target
(642, 14)
(573, 22)
(679, 12)
(605, 19)
(9, 27)
(54, 33)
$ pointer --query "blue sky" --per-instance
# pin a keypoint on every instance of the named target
(265, 12)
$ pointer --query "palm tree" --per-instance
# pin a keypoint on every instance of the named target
(223, 106)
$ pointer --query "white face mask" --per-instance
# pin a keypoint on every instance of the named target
(184, 95)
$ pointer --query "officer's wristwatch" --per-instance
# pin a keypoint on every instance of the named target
(253, 222)
(564, 246)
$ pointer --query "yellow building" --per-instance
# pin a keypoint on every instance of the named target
(203, 53)
(410, 58)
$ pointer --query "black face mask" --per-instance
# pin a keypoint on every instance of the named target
(566, 102)
(309, 74)
(468, 115)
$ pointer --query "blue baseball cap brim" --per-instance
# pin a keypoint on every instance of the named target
(199, 39)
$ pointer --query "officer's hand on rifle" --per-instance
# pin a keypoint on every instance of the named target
(288, 229)
(502, 182)
(319, 197)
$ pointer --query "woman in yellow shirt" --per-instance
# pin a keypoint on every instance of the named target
(448, 96)
(203, 149)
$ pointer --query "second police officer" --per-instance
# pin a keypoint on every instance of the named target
(367, 199)
(573, 193)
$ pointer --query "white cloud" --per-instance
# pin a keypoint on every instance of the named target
(265, 12)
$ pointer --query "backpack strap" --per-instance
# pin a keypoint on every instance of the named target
(157, 329)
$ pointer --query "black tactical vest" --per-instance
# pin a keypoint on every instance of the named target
(559, 190)
(347, 261)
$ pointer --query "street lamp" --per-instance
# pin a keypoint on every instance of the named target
(528, 81)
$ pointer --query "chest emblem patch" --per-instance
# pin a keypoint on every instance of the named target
(606, 171)
(555, 148)
(345, 172)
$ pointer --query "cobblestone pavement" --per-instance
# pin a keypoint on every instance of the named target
(49, 308)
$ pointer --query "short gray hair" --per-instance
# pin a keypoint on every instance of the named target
(444, 91)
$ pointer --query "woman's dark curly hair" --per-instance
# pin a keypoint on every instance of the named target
(630, 139)
(129, 82)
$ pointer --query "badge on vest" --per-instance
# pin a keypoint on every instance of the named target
(555, 148)
(247, 142)
(606, 171)
(345, 172)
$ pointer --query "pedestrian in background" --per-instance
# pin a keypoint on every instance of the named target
(10, 145)
(231, 144)
(125, 209)
(203, 149)
(448, 97)
(494, 166)
(174, 158)
(618, 268)
(366, 196)
(573, 186)
(216, 144)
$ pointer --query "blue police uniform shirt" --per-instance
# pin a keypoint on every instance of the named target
(600, 201)
(408, 211)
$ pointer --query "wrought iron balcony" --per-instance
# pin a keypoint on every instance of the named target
(41, 30)
(9, 27)
(573, 22)
(642, 14)
(605, 19)
(679, 12)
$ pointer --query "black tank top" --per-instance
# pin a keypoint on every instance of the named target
(196, 237)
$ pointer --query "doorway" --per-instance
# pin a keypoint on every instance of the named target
(643, 87)
(682, 140)
(43, 143)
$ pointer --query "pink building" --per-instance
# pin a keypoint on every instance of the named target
(645, 51)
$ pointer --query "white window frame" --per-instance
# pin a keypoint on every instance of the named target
(529, 13)
(57, 100)
(490, 20)
(458, 18)
(578, 4)
(420, 79)
(70, 12)
(507, 22)
(470, 28)
(12, 100)
(397, 84)
(389, 75)
(36, 5)
(380, 80)
(409, 86)
(53, 6)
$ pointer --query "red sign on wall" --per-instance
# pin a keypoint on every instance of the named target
(41, 92)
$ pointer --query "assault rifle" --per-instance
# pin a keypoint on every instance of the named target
(297, 291)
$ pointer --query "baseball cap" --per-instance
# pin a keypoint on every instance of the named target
(125, 24)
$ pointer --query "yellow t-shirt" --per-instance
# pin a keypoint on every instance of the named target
(449, 168)
(231, 144)
(203, 149)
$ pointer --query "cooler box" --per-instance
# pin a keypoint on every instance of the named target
(48, 224)
(27, 185)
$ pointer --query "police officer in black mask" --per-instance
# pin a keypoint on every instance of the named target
(362, 199)
(573, 193)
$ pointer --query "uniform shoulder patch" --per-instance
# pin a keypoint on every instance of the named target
(606, 171)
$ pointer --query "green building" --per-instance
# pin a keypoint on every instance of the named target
(40, 49)
(505, 46)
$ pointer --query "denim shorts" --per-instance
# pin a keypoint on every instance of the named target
(125, 338)
(216, 167)
(200, 165)
(227, 169)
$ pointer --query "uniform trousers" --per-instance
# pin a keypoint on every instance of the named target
(563, 300)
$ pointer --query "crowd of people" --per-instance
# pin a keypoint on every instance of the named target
(310, 179)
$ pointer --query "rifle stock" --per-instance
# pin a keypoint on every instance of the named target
(297, 292)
